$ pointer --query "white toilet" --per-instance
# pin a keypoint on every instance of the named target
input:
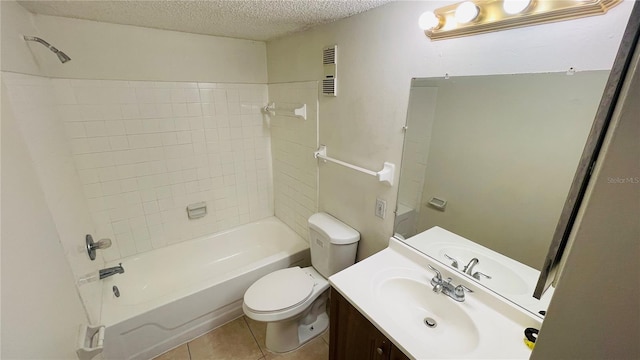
(405, 222)
(293, 301)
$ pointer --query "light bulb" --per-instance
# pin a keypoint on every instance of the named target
(428, 21)
(466, 12)
(513, 7)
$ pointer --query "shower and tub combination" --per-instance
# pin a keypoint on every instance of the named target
(171, 295)
(155, 300)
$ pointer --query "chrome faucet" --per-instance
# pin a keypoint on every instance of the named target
(447, 288)
(468, 269)
(105, 273)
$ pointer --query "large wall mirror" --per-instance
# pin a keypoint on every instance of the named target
(492, 159)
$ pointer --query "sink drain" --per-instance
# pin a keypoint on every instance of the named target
(430, 322)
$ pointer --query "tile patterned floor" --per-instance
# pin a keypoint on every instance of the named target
(243, 339)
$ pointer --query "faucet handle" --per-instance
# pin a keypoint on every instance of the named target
(454, 263)
(477, 275)
(460, 289)
(438, 275)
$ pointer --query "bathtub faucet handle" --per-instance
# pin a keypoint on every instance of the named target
(93, 246)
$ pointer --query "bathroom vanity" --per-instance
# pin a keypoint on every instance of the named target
(403, 304)
(352, 336)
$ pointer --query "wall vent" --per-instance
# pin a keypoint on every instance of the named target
(329, 55)
(330, 64)
(329, 87)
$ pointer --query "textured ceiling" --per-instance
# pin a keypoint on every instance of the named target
(255, 20)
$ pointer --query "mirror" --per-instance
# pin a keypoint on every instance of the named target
(491, 159)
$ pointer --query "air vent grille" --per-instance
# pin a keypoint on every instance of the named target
(329, 55)
(330, 65)
(329, 87)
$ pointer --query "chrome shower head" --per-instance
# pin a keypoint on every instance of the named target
(62, 56)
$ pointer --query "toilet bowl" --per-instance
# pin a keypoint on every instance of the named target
(293, 301)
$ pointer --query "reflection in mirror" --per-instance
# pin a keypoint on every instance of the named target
(491, 159)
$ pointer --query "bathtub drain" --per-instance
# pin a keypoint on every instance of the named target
(116, 291)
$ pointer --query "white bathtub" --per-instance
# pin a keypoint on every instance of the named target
(171, 295)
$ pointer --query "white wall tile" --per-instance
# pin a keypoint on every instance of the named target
(144, 151)
(293, 142)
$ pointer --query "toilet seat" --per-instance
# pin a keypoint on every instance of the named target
(279, 291)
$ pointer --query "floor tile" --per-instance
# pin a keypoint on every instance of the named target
(232, 341)
(259, 331)
(179, 353)
(316, 349)
(325, 336)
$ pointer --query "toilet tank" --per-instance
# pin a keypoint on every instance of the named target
(405, 222)
(333, 244)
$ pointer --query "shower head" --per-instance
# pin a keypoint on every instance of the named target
(62, 56)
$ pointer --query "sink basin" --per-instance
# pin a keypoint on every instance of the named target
(411, 300)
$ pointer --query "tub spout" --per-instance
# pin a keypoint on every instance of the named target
(105, 273)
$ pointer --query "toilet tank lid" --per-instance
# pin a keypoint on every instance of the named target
(403, 209)
(334, 229)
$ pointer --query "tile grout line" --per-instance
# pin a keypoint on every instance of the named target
(254, 338)
(189, 351)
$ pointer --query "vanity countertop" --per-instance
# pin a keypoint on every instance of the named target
(392, 290)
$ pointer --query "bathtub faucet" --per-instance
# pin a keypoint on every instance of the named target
(105, 273)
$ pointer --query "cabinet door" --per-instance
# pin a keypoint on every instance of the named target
(352, 336)
(397, 354)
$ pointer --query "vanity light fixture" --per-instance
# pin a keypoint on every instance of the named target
(513, 7)
(429, 20)
(482, 16)
(466, 12)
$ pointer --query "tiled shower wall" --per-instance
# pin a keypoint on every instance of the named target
(294, 140)
(145, 150)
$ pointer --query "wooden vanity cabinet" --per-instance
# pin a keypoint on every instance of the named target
(353, 337)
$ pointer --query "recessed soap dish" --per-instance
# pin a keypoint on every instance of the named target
(438, 203)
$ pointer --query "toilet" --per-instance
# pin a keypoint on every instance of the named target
(293, 301)
(405, 222)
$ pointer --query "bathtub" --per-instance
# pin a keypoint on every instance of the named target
(171, 295)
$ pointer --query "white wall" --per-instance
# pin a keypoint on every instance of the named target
(293, 141)
(16, 55)
(33, 104)
(594, 313)
(41, 310)
(379, 52)
(121, 52)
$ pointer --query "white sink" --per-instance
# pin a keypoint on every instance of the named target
(446, 318)
(392, 289)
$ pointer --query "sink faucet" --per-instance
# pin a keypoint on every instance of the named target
(447, 288)
(468, 269)
(105, 273)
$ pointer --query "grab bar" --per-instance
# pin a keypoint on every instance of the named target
(385, 175)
